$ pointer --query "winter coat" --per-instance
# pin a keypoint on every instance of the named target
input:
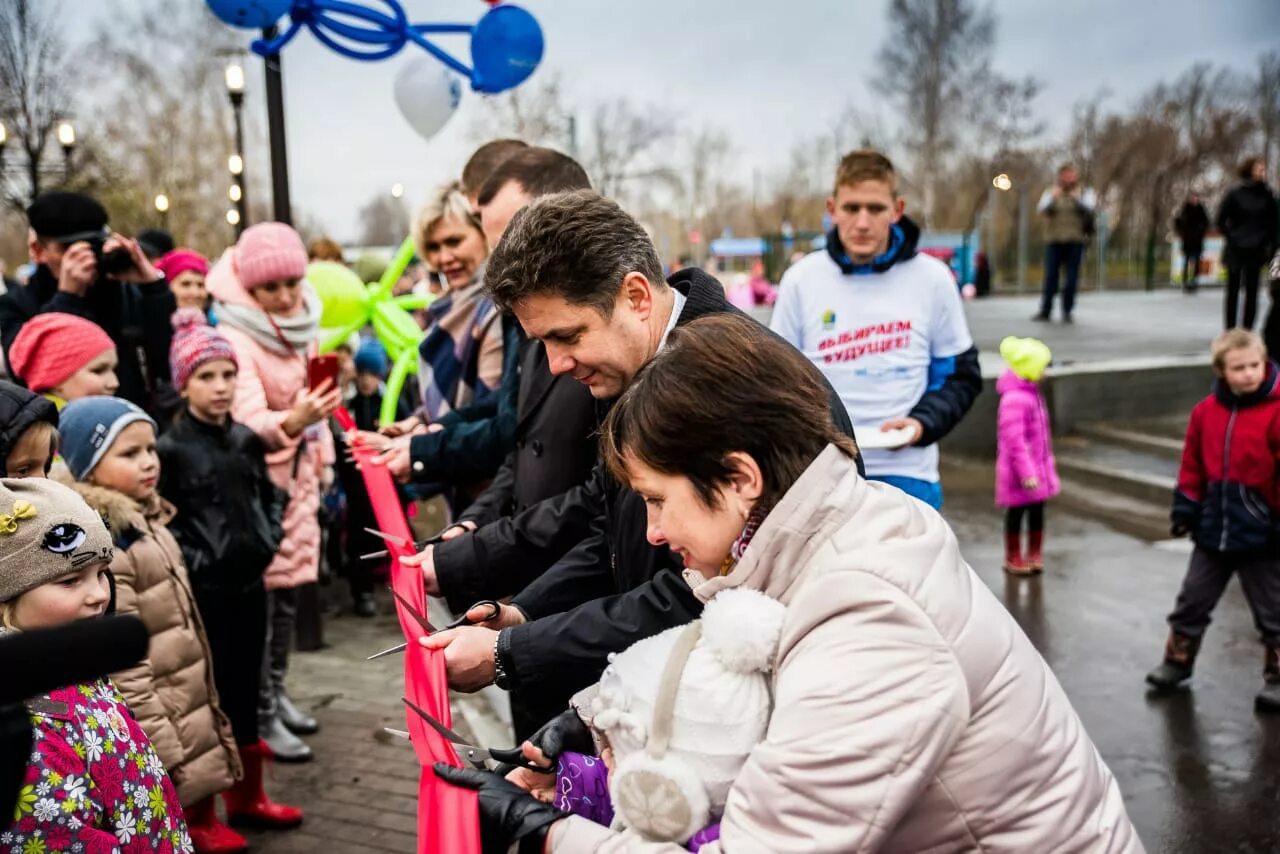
(19, 409)
(1191, 224)
(228, 511)
(94, 783)
(171, 691)
(597, 583)
(268, 384)
(1247, 219)
(1024, 445)
(1228, 494)
(135, 316)
(939, 728)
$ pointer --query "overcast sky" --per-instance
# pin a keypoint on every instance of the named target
(729, 63)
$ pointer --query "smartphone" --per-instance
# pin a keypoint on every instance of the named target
(321, 368)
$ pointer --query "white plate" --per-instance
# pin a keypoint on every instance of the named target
(870, 437)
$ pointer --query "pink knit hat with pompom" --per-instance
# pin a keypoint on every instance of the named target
(269, 252)
(194, 343)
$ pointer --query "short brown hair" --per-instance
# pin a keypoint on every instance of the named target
(866, 164)
(538, 171)
(485, 159)
(723, 383)
(325, 249)
(1234, 339)
(577, 245)
(1245, 170)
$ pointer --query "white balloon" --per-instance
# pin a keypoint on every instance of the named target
(427, 94)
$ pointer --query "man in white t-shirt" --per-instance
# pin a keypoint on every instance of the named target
(886, 326)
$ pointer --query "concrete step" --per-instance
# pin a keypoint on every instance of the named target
(1147, 437)
(1141, 474)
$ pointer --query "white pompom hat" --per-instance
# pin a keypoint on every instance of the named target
(683, 709)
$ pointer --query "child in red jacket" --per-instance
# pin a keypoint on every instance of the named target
(1228, 500)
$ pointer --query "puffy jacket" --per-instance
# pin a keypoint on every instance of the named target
(941, 729)
(228, 511)
(171, 691)
(1024, 446)
(268, 384)
(1228, 493)
(94, 782)
(1247, 219)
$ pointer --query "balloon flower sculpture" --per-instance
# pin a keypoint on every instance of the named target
(506, 47)
(350, 305)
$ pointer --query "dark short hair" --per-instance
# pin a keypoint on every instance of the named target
(1245, 171)
(539, 172)
(576, 245)
(723, 383)
(485, 159)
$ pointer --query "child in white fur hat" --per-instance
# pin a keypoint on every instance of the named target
(675, 717)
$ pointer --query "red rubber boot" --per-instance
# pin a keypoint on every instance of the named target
(1013, 563)
(210, 836)
(247, 801)
(1035, 546)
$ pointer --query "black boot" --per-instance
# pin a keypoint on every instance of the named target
(364, 605)
(286, 746)
(1268, 699)
(297, 721)
(1179, 660)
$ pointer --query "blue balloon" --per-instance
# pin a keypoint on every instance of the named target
(506, 47)
(249, 14)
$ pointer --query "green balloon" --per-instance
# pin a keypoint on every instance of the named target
(344, 297)
(396, 328)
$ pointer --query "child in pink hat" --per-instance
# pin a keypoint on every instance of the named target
(64, 357)
(185, 269)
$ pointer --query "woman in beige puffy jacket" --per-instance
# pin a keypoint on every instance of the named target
(910, 711)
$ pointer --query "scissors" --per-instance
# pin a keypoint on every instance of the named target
(475, 754)
(418, 545)
(494, 610)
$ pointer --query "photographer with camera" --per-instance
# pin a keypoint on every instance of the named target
(84, 268)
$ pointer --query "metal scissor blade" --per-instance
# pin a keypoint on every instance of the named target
(398, 733)
(468, 752)
(413, 612)
(390, 538)
(400, 647)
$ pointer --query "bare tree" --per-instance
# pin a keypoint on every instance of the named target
(1267, 91)
(936, 52)
(384, 221)
(621, 135)
(35, 79)
(535, 112)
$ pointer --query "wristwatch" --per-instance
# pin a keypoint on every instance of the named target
(499, 672)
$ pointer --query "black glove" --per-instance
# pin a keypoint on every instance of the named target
(507, 812)
(1179, 529)
(565, 731)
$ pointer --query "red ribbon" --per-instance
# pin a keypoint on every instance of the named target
(448, 817)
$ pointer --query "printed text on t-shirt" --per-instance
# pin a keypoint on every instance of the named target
(876, 338)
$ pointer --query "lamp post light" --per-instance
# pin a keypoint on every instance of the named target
(162, 207)
(4, 137)
(234, 193)
(397, 190)
(67, 139)
(235, 163)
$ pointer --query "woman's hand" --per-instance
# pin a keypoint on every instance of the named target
(312, 408)
(541, 785)
(404, 427)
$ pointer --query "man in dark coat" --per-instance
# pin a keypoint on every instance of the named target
(1248, 221)
(132, 305)
(582, 277)
(1191, 225)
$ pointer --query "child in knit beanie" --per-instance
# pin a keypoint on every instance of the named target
(28, 432)
(64, 357)
(93, 780)
(185, 269)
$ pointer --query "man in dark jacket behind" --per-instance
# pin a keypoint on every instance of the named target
(582, 277)
(132, 304)
(1247, 220)
(1191, 224)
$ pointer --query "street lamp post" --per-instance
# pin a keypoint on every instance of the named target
(162, 208)
(235, 90)
(275, 132)
(67, 139)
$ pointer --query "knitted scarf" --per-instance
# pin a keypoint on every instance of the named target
(739, 546)
(274, 331)
(450, 368)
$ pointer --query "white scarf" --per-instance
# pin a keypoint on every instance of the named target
(298, 330)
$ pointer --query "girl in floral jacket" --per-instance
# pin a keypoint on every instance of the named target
(93, 782)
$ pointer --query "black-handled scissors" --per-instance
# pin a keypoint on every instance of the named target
(477, 755)
(494, 610)
(418, 545)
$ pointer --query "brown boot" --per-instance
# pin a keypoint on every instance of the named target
(1013, 562)
(1268, 699)
(1179, 660)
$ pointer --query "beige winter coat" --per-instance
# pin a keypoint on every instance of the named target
(171, 691)
(911, 713)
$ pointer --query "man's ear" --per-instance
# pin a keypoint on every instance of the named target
(899, 208)
(637, 294)
(831, 205)
(35, 248)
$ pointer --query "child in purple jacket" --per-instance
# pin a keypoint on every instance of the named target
(1026, 474)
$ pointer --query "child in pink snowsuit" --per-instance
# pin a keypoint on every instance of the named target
(1026, 474)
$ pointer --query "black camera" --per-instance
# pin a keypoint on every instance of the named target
(111, 263)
